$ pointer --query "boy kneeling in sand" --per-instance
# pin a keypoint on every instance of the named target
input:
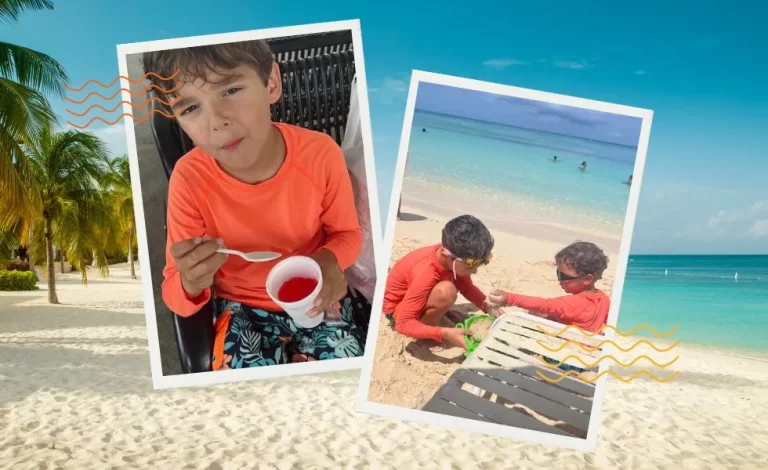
(579, 266)
(253, 185)
(423, 285)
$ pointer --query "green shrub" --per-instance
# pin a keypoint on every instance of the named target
(14, 265)
(18, 280)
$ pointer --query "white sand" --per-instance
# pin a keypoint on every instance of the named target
(75, 392)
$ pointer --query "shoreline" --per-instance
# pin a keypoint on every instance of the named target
(503, 214)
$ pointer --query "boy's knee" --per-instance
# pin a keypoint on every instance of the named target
(444, 293)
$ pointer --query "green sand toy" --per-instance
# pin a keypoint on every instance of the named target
(472, 343)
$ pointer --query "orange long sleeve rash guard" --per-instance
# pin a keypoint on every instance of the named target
(306, 206)
(409, 284)
(587, 310)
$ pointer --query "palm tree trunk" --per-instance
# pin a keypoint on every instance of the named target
(130, 252)
(61, 260)
(30, 260)
(52, 298)
(29, 249)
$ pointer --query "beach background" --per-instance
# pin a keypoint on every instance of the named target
(75, 387)
(76, 392)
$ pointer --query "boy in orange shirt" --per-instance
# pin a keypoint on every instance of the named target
(423, 285)
(254, 185)
(579, 266)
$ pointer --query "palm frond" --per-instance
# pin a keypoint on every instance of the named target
(11, 10)
(32, 69)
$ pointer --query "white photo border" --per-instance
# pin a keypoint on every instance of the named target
(462, 424)
(160, 381)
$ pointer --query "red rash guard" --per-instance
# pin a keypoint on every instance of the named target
(306, 206)
(409, 284)
(587, 310)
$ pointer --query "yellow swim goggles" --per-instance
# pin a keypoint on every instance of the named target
(476, 263)
(470, 262)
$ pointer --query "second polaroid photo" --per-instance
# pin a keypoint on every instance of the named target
(255, 199)
(506, 247)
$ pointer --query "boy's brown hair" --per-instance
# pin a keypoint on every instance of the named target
(197, 62)
(585, 258)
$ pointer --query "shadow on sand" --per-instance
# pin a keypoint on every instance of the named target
(408, 217)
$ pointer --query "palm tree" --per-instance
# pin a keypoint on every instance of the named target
(121, 199)
(70, 210)
(25, 75)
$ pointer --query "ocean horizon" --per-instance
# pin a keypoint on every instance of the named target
(516, 165)
(717, 301)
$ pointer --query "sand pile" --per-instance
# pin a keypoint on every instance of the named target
(408, 372)
(480, 328)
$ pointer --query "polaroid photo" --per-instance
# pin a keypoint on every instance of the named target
(511, 220)
(255, 196)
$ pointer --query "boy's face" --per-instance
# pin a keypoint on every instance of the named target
(571, 281)
(460, 268)
(228, 115)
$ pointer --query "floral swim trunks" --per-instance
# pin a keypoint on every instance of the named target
(253, 337)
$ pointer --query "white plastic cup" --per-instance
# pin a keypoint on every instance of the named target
(297, 266)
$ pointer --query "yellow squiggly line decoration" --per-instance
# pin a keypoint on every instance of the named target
(608, 341)
(612, 374)
(590, 334)
(589, 366)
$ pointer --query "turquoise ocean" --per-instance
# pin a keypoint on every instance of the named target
(699, 294)
(516, 164)
(702, 295)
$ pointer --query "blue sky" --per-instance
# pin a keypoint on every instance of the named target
(700, 67)
(529, 114)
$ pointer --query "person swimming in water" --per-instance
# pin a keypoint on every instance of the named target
(583, 165)
(554, 159)
(629, 181)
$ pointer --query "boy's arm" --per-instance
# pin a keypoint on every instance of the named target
(556, 307)
(184, 222)
(339, 216)
(408, 315)
(470, 291)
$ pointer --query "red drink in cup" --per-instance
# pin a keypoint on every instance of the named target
(293, 284)
(296, 288)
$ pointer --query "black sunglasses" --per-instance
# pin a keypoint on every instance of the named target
(561, 276)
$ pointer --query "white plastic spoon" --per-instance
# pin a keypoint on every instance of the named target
(254, 256)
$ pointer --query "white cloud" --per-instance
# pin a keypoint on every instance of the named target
(502, 63)
(113, 137)
(751, 221)
(389, 89)
(759, 208)
(759, 229)
(577, 64)
(719, 219)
